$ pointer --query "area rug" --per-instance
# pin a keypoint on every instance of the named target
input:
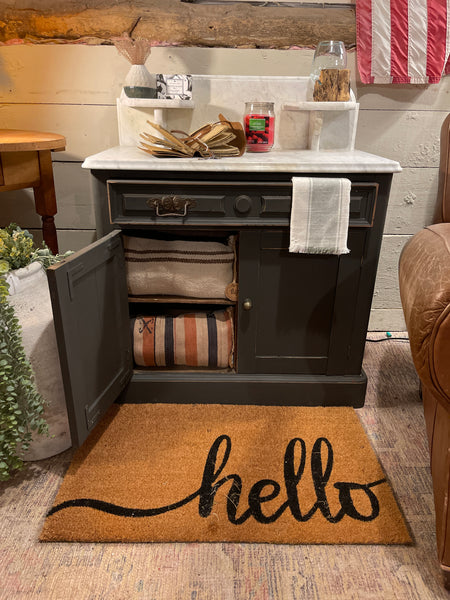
(210, 473)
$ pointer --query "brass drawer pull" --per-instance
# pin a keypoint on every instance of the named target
(171, 206)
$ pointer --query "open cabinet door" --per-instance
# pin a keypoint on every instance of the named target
(90, 306)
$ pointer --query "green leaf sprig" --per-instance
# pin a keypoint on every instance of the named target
(21, 406)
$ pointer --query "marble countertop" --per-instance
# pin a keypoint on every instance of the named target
(296, 161)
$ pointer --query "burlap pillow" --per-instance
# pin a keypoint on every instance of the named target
(178, 268)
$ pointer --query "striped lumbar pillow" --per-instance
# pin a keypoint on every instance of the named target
(193, 340)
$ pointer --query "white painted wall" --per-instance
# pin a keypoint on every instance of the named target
(72, 90)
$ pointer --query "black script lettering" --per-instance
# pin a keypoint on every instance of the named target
(255, 499)
(348, 507)
(293, 476)
(261, 492)
(320, 479)
(208, 491)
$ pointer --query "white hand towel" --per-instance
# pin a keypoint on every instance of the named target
(319, 215)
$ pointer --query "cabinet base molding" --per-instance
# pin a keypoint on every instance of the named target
(231, 388)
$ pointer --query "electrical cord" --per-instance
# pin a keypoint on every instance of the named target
(389, 338)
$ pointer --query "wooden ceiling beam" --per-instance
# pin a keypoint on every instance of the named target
(171, 22)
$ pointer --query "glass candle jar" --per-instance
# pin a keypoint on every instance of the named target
(328, 55)
(259, 126)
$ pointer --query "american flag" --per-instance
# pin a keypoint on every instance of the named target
(403, 41)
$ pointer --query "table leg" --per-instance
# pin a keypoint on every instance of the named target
(45, 199)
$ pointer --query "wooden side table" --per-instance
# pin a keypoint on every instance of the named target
(26, 162)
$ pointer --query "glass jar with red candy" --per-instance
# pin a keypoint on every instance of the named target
(259, 126)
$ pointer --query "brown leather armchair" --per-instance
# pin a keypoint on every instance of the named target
(424, 278)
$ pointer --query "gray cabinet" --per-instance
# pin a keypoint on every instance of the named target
(300, 320)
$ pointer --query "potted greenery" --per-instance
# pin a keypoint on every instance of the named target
(33, 420)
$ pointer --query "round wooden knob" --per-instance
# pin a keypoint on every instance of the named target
(247, 304)
(243, 204)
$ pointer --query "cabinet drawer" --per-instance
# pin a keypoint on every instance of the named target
(206, 203)
(363, 197)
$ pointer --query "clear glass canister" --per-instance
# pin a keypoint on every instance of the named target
(259, 126)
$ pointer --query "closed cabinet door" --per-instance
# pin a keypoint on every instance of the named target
(291, 305)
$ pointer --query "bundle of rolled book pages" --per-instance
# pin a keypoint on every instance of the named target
(214, 140)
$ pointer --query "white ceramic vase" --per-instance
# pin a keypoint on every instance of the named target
(139, 83)
(30, 297)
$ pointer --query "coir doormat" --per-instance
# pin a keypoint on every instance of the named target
(167, 472)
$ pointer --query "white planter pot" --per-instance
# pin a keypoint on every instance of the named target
(29, 296)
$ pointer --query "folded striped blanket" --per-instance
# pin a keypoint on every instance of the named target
(178, 268)
(193, 340)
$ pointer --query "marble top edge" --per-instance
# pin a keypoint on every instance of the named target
(300, 161)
